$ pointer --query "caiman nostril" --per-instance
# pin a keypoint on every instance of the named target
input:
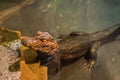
(25, 41)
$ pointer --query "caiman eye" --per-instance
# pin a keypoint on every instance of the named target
(44, 40)
(36, 38)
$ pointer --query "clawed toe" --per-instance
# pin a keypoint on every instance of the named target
(89, 65)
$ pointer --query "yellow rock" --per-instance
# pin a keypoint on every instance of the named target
(33, 71)
(26, 73)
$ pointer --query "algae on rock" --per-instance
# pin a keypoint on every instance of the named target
(15, 67)
(10, 38)
(7, 35)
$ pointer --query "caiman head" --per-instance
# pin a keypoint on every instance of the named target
(45, 45)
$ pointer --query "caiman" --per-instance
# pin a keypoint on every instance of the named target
(44, 44)
(74, 46)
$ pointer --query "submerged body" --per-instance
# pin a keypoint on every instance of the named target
(74, 46)
(78, 44)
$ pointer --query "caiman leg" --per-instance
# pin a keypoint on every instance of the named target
(92, 56)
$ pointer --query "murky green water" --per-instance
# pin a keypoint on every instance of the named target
(63, 17)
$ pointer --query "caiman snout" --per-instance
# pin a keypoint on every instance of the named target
(26, 41)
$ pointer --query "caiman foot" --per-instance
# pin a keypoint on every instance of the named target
(89, 65)
(92, 56)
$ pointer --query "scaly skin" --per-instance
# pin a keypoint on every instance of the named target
(74, 46)
(78, 44)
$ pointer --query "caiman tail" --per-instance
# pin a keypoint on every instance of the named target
(106, 35)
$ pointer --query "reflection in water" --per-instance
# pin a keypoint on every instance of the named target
(63, 17)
